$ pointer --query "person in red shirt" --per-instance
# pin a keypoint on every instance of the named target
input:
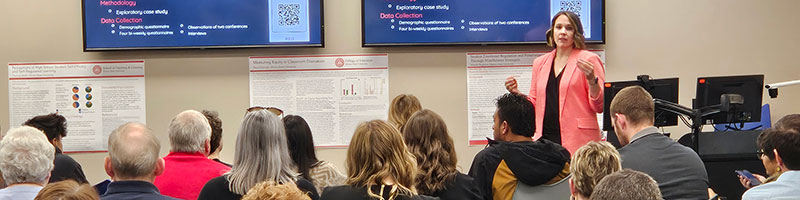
(187, 165)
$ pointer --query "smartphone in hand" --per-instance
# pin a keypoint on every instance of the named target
(749, 176)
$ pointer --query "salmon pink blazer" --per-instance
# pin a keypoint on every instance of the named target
(577, 108)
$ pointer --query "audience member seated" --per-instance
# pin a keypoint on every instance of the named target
(589, 165)
(378, 166)
(216, 135)
(187, 165)
(513, 156)
(133, 163)
(791, 121)
(261, 154)
(428, 140)
(55, 127)
(402, 107)
(301, 147)
(271, 191)
(787, 154)
(626, 185)
(26, 159)
(678, 170)
(67, 190)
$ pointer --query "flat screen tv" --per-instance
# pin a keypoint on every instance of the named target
(454, 22)
(161, 24)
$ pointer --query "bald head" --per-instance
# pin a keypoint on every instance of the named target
(188, 132)
(133, 151)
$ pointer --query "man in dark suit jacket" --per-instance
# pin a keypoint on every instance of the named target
(133, 163)
(678, 170)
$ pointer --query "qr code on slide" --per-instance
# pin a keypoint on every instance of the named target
(572, 6)
(288, 14)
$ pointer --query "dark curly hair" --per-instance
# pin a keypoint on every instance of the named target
(53, 125)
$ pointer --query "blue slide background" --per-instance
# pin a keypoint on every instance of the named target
(378, 31)
(254, 13)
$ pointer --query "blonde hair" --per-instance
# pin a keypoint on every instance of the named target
(427, 139)
(67, 190)
(591, 163)
(269, 190)
(402, 107)
(377, 152)
(578, 39)
(635, 103)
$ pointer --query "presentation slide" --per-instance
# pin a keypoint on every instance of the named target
(424, 22)
(135, 24)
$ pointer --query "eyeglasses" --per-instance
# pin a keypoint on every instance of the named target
(274, 110)
(760, 152)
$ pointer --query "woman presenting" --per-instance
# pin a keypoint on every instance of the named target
(565, 86)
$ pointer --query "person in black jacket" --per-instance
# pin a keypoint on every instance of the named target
(513, 157)
(427, 139)
(54, 127)
(378, 166)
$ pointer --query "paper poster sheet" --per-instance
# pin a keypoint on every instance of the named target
(486, 75)
(95, 97)
(333, 93)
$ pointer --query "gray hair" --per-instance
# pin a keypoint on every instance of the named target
(626, 184)
(133, 150)
(26, 156)
(261, 153)
(188, 131)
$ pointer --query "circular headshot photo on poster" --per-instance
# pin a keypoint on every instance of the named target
(76, 105)
(88, 96)
(75, 97)
(88, 104)
(88, 89)
(75, 89)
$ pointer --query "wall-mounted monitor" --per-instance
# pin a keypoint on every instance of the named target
(161, 24)
(453, 22)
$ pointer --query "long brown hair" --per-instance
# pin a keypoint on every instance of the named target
(578, 39)
(377, 152)
(427, 139)
(402, 107)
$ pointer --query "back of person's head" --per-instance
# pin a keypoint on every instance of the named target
(301, 144)
(133, 152)
(518, 112)
(591, 163)
(791, 121)
(636, 104)
(402, 107)
(53, 125)
(67, 190)
(272, 191)
(188, 132)
(787, 144)
(377, 152)
(26, 156)
(427, 139)
(261, 153)
(216, 129)
(626, 185)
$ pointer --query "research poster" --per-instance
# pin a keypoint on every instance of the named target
(95, 97)
(486, 75)
(333, 93)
